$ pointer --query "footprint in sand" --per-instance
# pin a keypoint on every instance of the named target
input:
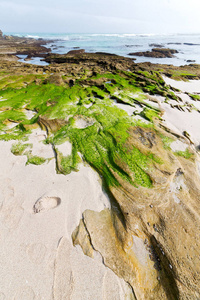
(45, 203)
(11, 215)
(36, 253)
(25, 293)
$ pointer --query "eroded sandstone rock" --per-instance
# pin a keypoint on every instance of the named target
(150, 240)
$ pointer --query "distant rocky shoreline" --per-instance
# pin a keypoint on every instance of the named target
(11, 46)
(157, 53)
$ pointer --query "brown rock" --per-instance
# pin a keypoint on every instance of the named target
(8, 57)
(152, 239)
(156, 45)
(157, 53)
(75, 52)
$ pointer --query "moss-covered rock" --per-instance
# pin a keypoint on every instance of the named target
(153, 192)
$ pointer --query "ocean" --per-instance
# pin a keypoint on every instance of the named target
(188, 45)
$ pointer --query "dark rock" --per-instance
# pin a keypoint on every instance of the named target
(174, 43)
(189, 60)
(156, 45)
(23, 45)
(96, 62)
(105, 53)
(133, 45)
(73, 47)
(191, 44)
(157, 53)
(55, 79)
(27, 58)
(71, 82)
(75, 52)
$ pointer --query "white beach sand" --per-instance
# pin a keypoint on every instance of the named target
(183, 120)
(39, 210)
(190, 86)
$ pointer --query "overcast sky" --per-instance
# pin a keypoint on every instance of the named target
(100, 16)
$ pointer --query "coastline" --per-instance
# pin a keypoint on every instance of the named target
(186, 45)
(120, 169)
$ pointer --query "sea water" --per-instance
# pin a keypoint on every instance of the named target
(187, 45)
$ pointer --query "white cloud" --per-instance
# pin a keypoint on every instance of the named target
(142, 16)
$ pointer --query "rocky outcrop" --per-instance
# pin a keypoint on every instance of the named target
(156, 45)
(149, 235)
(75, 52)
(93, 61)
(157, 53)
(21, 45)
(191, 44)
(174, 43)
(145, 237)
(8, 57)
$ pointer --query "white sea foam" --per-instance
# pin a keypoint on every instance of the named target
(32, 36)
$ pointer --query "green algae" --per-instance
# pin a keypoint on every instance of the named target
(18, 81)
(19, 148)
(150, 114)
(17, 133)
(186, 154)
(166, 141)
(35, 160)
(66, 164)
(102, 142)
(12, 115)
(182, 75)
(103, 147)
(195, 97)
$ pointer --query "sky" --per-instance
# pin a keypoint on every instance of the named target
(100, 16)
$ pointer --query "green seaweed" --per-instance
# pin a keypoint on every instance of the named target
(103, 144)
(19, 148)
(166, 141)
(35, 160)
(186, 154)
(150, 114)
(195, 97)
(66, 164)
(17, 133)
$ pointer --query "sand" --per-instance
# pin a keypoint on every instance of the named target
(183, 120)
(39, 210)
(190, 86)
